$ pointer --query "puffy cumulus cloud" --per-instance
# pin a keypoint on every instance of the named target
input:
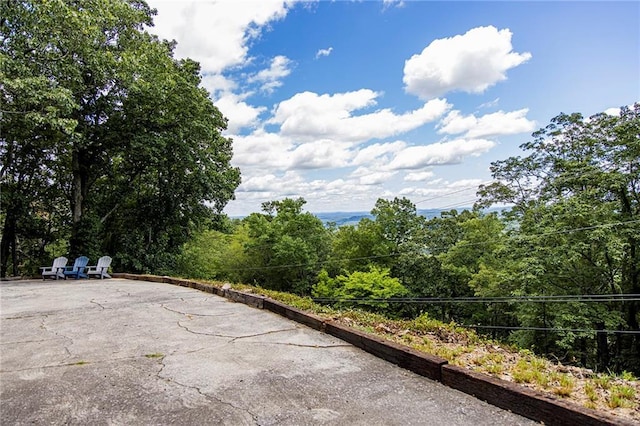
(239, 113)
(376, 152)
(324, 52)
(272, 151)
(376, 178)
(321, 194)
(471, 62)
(262, 149)
(371, 176)
(270, 183)
(612, 111)
(216, 34)
(270, 78)
(418, 176)
(310, 116)
(440, 153)
(216, 83)
(318, 155)
(497, 123)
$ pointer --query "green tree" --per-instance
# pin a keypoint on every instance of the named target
(124, 132)
(286, 247)
(576, 198)
(364, 288)
(356, 248)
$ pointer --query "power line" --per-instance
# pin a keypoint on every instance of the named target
(502, 299)
(557, 330)
(435, 197)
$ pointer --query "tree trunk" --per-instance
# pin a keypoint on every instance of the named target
(602, 348)
(79, 191)
(8, 240)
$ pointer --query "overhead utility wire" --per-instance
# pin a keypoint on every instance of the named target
(558, 330)
(503, 299)
(435, 197)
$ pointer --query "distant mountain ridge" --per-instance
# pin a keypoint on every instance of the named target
(353, 218)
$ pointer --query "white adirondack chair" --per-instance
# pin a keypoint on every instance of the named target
(56, 270)
(100, 270)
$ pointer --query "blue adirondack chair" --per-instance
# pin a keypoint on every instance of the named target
(78, 268)
(56, 270)
(100, 270)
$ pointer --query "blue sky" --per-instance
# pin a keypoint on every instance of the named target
(345, 102)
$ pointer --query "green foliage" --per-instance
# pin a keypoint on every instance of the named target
(205, 256)
(572, 195)
(360, 287)
(103, 129)
(286, 248)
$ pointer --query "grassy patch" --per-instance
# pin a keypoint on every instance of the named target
(154, 355)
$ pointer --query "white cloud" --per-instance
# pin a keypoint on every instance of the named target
(392, 3)
(271, 183)
(264, 149)
(376, 152)
(612, 111)
(418, 176)
(271, 77)
(471, 63)
(216, 34)
(324, 52)
(319, 154)
(272, 151)
(490, 104)
(215, 83)
(308, 115)
(441, 192)
(440, 153)
(376, 178)
(497, 123)
(239, 113)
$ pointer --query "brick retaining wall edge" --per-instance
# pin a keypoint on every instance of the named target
(524, 401)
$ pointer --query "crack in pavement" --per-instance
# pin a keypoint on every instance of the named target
(27, 341)
(211, 398)
(81, 362)
(196, 315)
(96, 303)
(24, 317)
(234, 338)
(45, 328)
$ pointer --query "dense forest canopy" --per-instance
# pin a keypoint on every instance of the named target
(110, 146)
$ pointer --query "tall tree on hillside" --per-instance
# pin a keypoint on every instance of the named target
(576, 196)
(123, 130)
(287, 247)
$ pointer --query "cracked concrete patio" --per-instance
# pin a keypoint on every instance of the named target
(134, 352)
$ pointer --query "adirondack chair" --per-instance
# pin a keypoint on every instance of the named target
(78, 268)
(56, 270)
(100, 270)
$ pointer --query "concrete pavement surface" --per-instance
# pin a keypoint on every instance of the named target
(122, 352)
